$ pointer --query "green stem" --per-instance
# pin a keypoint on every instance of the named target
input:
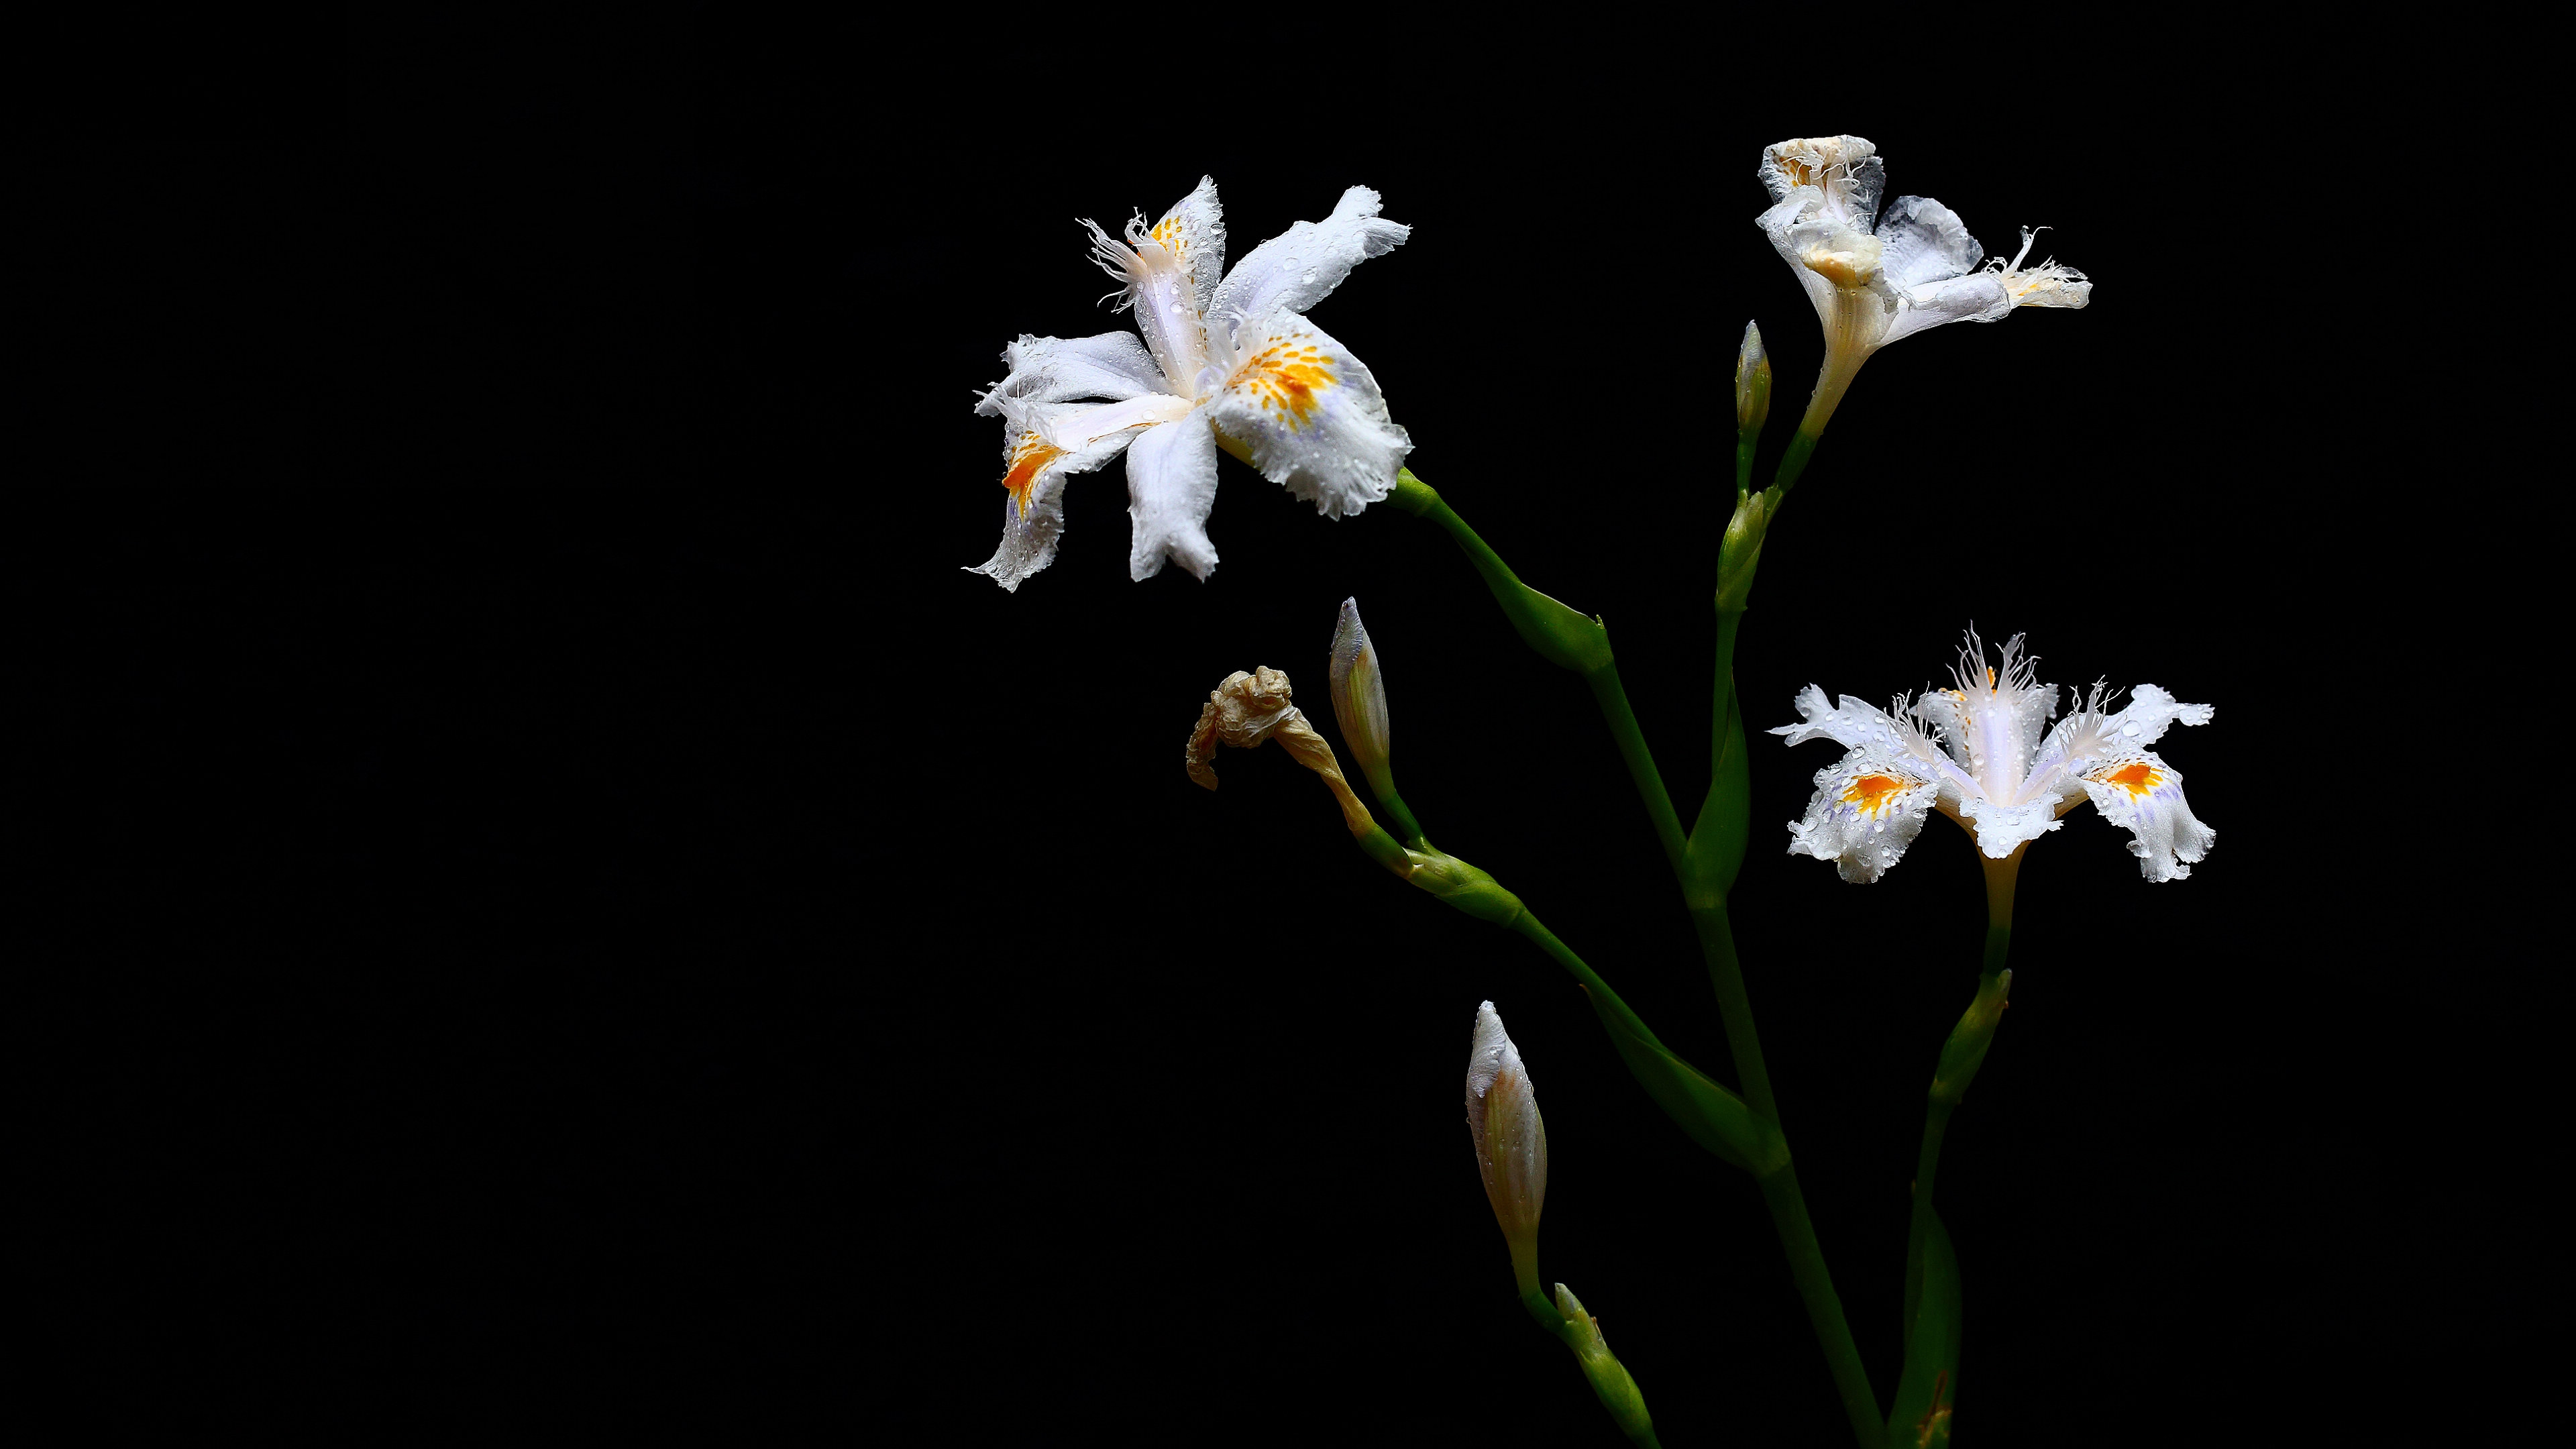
(1407, 828)
(1528, 927)
(1780, 1191)
(1612, 696)
(1792, 463)
(1558, 635)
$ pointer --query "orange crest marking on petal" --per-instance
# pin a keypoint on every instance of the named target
(2137, 778)
(1028, 457)
(1873, 793)
(1289, 378)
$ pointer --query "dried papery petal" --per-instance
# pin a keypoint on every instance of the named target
(1248, 709)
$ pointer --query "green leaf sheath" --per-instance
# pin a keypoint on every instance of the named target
(1929, 1386)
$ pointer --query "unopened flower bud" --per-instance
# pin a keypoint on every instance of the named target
(1510, 1141)
(1359, 705)
(1359, 693)
(1752, 382)
(1248, 709)
(1611, 1382)
(1739, 551)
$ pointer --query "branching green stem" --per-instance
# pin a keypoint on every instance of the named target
(1704, 862)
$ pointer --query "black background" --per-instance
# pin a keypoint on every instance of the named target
(595, 915)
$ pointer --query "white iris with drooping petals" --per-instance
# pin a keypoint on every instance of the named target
(1226, 359)
(1877, 279)
(1978, 754)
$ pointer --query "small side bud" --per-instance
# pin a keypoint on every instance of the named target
(1752, 382)
(1611, 1382)
(1510, 1141)
(1359, 706)
(1965, 1051)
(1359, 693)
(1740, 551)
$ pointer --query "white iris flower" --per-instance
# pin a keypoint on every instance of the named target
(1976, 753)
(1231, 363)
(1876, 279)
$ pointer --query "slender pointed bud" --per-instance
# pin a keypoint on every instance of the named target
(1359, 706)
(1610, 1379)
(1965, 1051)
(1359, 692)
(1247, 710)
(1510, 1141)
(1752, 382)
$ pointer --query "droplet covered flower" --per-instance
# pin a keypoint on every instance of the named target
(1225, 359)
(1984, 755)
(1876, 279)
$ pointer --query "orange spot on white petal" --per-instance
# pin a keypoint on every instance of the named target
(1286, 379)
(1874, 793)
(2137, 778)
(1028, 458)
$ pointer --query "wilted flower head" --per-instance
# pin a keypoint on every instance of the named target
(1247, 709)
(1978, 754)
(1877, 279)
(1510, 1140)
(1229, 362)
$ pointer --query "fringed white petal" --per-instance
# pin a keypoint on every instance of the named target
(1311, 416)
(2000, 829)
(1171, 486)
(1113, 365)
(2150, 712)
(1301, 266)
(1193, 231)
(1975, 298)
(1846, 171)
(2049, 284)
(1782, 224)
(1043, 445)
(1926, 242)
(1858, 725)
(1867, 809)
(2143, 795)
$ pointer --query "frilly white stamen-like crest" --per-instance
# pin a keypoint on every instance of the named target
(1122, 263)
(2051, 283)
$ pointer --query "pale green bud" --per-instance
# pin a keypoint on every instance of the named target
(1752, 382)
(1611, 1382)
